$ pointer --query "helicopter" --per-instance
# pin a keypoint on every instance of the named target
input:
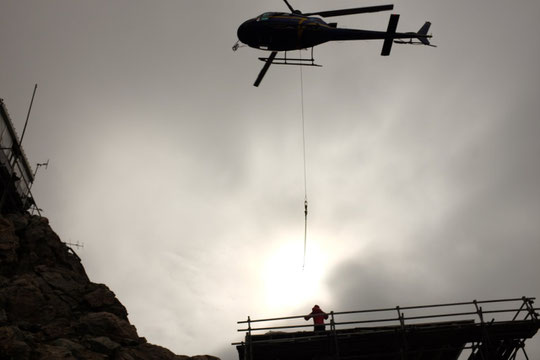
(281, 31)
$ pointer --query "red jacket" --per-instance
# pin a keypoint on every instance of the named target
(318, 315)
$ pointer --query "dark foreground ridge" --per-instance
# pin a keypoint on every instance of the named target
(49, 309)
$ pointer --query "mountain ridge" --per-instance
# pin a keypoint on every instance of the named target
(49, 308)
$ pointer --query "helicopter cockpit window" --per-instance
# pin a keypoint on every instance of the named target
(264, 16)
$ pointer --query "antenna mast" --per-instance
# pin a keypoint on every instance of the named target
(28, 115)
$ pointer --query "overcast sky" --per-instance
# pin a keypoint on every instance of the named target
(185, 183)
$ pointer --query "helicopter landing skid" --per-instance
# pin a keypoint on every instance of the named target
(283, 61)
(292, 61)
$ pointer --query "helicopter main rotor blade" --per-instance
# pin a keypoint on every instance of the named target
(267, 64)
(289, 6)
(361, 10)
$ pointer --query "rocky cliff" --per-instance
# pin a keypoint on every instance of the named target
(49, 309)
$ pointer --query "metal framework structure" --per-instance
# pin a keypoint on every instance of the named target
(16, 176)
(476, 330)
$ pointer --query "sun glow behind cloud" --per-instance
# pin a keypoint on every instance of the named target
(287, 284)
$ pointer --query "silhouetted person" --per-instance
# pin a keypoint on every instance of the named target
(318, 317)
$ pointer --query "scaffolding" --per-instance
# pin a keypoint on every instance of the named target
(475, 330)
(16, 176)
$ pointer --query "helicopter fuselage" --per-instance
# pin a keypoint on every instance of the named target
(290, 31)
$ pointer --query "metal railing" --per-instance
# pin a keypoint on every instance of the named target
(477, 308)
(479, 311)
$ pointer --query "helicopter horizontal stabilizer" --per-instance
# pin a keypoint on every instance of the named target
(390, 32)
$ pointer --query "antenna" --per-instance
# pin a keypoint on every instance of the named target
(28, 115)
(46, 164)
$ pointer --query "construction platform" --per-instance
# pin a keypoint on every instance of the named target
(467, 335)
(16, 175)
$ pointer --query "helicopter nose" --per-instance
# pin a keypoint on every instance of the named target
(243, 32)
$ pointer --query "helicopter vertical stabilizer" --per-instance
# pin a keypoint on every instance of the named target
(390, 32)
(424, 31)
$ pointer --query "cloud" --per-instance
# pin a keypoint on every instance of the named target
(481, 244)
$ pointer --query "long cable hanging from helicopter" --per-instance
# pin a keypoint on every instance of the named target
(304, 157)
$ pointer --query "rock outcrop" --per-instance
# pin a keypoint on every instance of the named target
(49, 309)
